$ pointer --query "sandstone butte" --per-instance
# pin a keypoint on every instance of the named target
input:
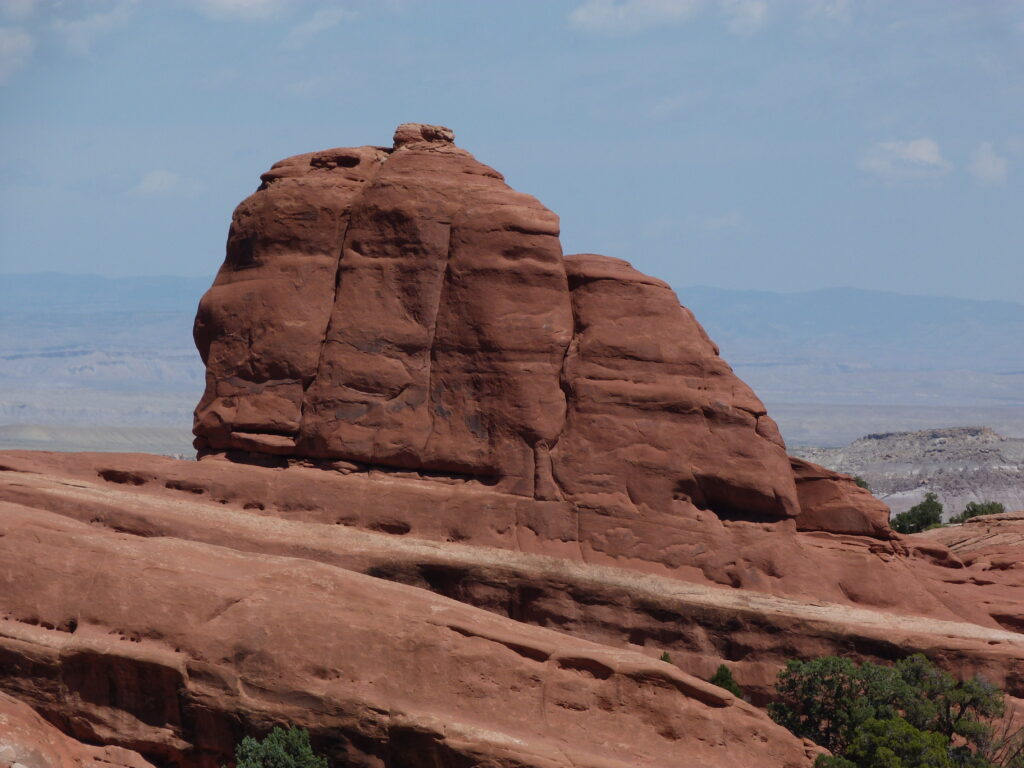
(456, 495)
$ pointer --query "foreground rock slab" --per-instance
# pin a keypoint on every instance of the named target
(183, 604)
(177, 647)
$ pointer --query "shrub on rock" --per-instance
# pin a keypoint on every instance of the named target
(282, 748)
(919, 517)
(978, 509)
(723, 679)
(910, 715)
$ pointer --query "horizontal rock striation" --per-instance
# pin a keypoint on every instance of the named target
(169, 607)
(176, 647)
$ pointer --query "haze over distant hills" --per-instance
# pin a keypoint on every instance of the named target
(838, 363)
(832, 365)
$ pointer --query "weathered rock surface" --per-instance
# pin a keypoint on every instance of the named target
(28, 741)
(654, 413)
(406, 309)
(993, 547)
(496, 553)
(177, 646)
(833, 502)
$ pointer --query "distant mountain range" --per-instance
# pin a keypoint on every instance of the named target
(871, 348)
(855, 329)
(89, 294)
(831, 364)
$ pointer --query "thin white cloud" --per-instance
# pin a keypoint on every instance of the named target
(1015, 145)
(745, 16)
(309, 86)
(724, 221)
(830, 10)
(80, 34)
(16, 46)
(625, 17)
(667, 106)
(321, 21)
(988, 166)
(628, 16)
(162, 183)
(246, 10)
(904, 160)
(18, 9)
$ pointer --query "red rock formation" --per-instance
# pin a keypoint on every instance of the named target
(656, 418)
(457, 495)
(830, 501)
(434, 328)
(28, 741)
(795, 594)
(260, 328)
(176, 647)
(992, 547)
(407, 309)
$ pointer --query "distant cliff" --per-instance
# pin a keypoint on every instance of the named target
(960, 465)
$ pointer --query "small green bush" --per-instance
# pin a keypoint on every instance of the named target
(282, 748)
(978, 509)
(920, 516)
(723, 679)
(861, 482)
(665, 657)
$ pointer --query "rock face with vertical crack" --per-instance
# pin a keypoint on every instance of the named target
(404, 308)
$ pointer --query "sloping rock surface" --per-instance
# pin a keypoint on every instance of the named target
(170, 607)
(833, 502)
(28, 741)
(174, 633)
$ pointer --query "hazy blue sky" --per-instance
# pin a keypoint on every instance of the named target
(737, 143)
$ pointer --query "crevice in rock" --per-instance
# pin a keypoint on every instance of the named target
(237, 430)
(123, 477)
(330, 318)
(435, 407)
(568, 394)
(334, 297)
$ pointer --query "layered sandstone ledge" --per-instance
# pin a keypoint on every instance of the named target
(169, 607)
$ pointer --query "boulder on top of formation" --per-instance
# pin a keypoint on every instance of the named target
(404, 308)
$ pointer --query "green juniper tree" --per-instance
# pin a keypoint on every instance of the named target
(920, 516)
(723, 679)
(909, 715)
(282, 748)
(977, 509)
